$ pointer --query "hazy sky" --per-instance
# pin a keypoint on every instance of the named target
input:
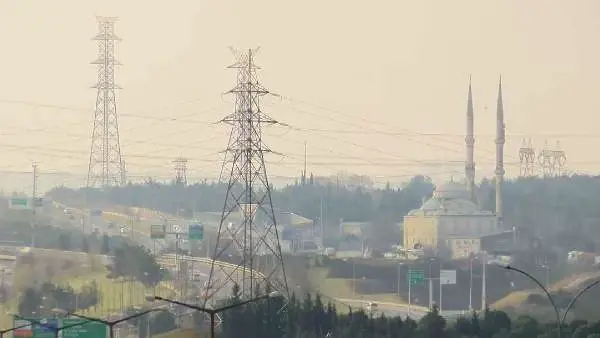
(347, 71)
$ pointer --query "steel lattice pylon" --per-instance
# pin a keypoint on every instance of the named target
(106, 167)
(248, 231)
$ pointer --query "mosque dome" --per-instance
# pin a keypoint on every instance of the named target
(451, 190)
(450, 198)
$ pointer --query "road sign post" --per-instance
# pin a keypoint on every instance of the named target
(21, 203)
(196, 232)
(447, 277)
(158, 231)
(414, 277)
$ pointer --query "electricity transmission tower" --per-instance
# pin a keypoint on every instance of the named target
(106, 166)
(527, 159)
(558, 160)
(546, 161)
(180, 170)
(248, 231)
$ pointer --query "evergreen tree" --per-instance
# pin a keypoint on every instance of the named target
(85, 246)
(64, 242)
(105, 244)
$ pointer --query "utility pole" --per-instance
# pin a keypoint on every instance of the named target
(440, 305)
(483, 282)
(33, 203)
(322, 226)
(304, 171)
(470, 283)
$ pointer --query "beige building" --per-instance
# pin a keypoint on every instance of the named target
(449, 223)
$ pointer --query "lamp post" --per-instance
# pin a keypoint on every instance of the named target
(110, 324)
(212, 312)
(574, 299)
(541, 285)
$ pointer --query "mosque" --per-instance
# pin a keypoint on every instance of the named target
(451, 223)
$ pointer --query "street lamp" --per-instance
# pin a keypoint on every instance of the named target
(574, 299)
(213, 312)
(110, 324)
(556, 311)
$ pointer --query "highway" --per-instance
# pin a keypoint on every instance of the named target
(198, 266)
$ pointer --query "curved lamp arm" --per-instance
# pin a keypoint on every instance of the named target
(556, 312)
(574, 299)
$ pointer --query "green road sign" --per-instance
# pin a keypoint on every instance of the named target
(36, 330)
(88, 330)
(158, 231)
(416, 277)
(19, 203)
(196, 232)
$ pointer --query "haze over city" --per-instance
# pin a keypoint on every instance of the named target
(272, 169)
(364, 85)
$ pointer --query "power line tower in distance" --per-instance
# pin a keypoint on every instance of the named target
(546, 161)
(247, 230)
(559, 158)
(527, 159)
(180, 164)
(106, 166)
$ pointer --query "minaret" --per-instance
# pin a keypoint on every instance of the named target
(499, 154)
(470, 147)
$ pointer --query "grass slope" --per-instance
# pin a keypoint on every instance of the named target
(342, 288)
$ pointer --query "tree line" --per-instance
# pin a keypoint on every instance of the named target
(311, 317)
(39, 302)
(561, 210)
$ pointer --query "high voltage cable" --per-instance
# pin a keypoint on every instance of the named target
(362, 129)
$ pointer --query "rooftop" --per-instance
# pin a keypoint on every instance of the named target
(450, 198)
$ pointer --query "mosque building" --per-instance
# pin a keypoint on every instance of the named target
(451, 223)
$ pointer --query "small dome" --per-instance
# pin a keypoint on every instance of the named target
(431, 204)
(451, 190)
(450, 198)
